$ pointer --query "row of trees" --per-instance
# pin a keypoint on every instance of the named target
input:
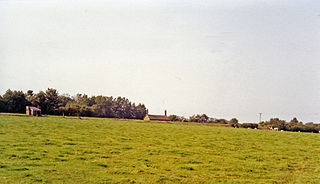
(50, 102)
(203, 119)
(293, 125)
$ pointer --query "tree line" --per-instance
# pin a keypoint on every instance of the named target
(274, 123)
(203, 118)
(51, 102)
(293, 125)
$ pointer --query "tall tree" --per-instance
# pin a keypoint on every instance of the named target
(41, 102)
(52, 100)
(15, 101)
(30, 97)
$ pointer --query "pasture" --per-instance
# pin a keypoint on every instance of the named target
(96, 150)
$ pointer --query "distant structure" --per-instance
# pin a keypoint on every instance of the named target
(149, 117)
(33, 111)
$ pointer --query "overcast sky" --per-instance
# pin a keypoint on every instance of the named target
(225, 58)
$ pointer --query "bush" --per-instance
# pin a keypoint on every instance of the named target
(248, 125)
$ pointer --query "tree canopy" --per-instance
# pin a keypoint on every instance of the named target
(51, 102)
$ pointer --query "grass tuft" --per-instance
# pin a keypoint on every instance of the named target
(187, 168)
(102, 165)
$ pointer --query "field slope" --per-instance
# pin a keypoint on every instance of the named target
(91, 150)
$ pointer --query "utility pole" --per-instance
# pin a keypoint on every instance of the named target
(260, 117)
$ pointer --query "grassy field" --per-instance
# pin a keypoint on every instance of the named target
(91, 150)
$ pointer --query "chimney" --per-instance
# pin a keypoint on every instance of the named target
(165, 112)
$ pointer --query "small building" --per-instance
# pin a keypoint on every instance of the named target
(33, 111)
(150, 117)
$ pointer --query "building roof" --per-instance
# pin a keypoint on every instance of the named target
(158, 117)
(35, 109)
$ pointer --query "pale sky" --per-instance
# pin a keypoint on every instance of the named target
(224, 58)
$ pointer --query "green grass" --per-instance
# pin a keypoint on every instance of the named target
(92, 150)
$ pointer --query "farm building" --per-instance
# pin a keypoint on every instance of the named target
(33, 111)
(149, 117)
